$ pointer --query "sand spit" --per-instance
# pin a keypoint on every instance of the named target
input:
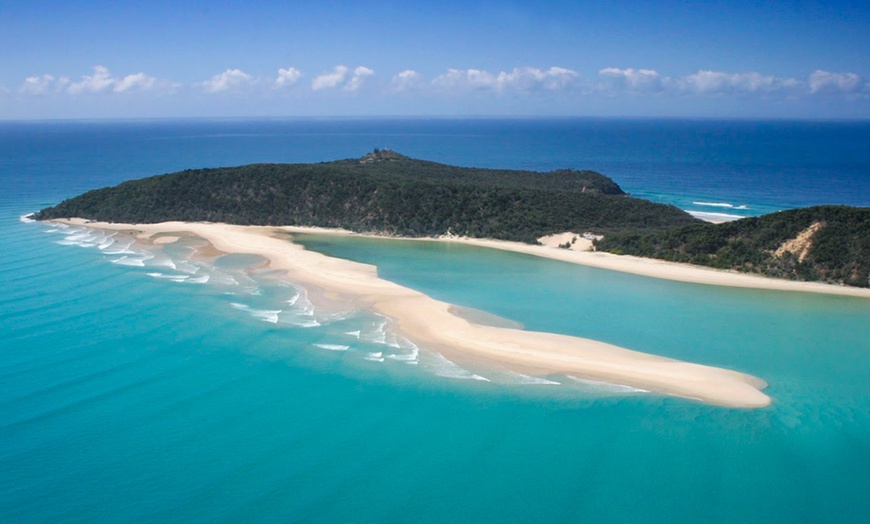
(431, 323)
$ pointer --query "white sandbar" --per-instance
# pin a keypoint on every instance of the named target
(430, 322)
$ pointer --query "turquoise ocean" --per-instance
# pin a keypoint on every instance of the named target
(143, 385)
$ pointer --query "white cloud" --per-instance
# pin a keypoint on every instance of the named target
(824, 82)
(102, 81)
(359, 76)
(556, 77)
(407, 80)
(523, 79)
(287, 77)
(704, 82)
(341, 76)
(452, 78)
(516, 82)
(640, 80)
(41, 85)
(231, 79)
(98, 82)
(329, 80)
(530, 78)
(480, 79)
(135, 82)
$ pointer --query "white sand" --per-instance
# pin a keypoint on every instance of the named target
(165, 240)
(582, 254)
(668, 270)
(575, 241)
(430, 322)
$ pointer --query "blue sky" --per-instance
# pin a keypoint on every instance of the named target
(96, 59)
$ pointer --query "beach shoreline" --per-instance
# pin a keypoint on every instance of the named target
(582, 254)
(435, 325)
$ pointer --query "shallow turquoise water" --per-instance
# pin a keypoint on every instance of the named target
(143, 398)
(131, 397)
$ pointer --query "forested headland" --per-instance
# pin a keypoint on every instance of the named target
(384, 193)
(389, 194)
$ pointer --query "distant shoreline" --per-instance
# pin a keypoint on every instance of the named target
(434, 324)
(647, 267)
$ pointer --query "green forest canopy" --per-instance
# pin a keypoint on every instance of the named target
(387, 193)
(382, 192)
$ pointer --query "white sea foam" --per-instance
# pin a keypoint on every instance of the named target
(713, 204)
(108, 241)
(82, 238)
(266, 315)
(202, 279)
(119, 247)
(720, 204)
(411, 354)
(442, 367)
(375, 357)
(186, 267)
(302, 304)
(519, 378)
(353, 333)
(391, 340)
(224, 279)
(244, 281)
(301, 312)
(377, 333)
(164, 262)
(607, 387)
(27, 218)
(174, 278)
(130, 261)
(333, 347)
(337, 316)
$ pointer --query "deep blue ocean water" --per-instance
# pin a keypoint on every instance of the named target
(146, 386)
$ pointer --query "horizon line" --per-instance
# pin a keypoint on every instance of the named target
(429, 117)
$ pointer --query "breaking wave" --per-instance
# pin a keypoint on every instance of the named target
(333, 347)
(606, 387)
(441, 366)
(720, 204)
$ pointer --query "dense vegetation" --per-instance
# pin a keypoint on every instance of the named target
(836, 248)
(382, 192)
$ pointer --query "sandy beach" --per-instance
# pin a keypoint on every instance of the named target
(581, 253)
(432, 323)
(668, 270)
